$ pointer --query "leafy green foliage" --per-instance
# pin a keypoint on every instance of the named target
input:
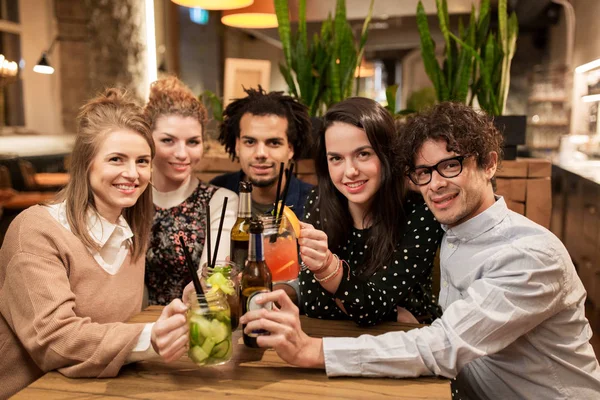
(320, 72)
(475, 60)
(421, 99)
(451, 80)
(213, 103)
(390, 96)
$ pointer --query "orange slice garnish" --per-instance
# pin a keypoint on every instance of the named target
(292, 218)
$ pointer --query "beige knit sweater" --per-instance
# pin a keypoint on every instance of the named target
(59, 310)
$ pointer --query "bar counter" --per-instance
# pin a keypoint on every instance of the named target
(252, 373)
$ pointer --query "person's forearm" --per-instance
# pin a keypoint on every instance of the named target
(143, 350)
(313, 357)
(331, 284)
(136, 356)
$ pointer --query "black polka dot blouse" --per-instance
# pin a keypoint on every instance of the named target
(404, 281)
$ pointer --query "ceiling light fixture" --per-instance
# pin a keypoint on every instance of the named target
(260, 15)
(214, 4)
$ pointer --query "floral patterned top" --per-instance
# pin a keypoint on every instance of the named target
(166, 270)
(405, 281)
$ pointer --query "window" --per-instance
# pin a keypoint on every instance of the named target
(11, 89)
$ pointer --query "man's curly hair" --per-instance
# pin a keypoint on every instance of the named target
(465, 130)
(170, 96)
(260, 103)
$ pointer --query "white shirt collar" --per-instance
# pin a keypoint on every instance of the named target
(113, 239)
(101, 229)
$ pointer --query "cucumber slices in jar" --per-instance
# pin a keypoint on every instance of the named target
(210, 339)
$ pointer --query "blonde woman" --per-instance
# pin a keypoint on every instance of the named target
(71, 273)
(177, 121)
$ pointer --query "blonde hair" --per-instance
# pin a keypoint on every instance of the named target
(170, 96)
(104, 114)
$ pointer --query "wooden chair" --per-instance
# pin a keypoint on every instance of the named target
(17, 201)
(12, 202)
(28, 172)
(5, 182)
(6, 190)
(34, 181)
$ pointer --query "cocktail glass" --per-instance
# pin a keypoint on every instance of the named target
(210, 329)
(281, 249)
(228, 284)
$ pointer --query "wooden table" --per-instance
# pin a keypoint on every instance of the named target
(253, 373)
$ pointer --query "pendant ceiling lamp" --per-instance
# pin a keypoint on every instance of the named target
(259, 15)
(214, 4)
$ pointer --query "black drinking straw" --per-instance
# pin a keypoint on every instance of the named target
(278, 189)
(208, 234)
(190, 265)
(288, 177)
(214, 261)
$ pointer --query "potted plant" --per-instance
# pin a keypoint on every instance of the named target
(452, 80)
(320, 72)
(478, 61)
(494, 81)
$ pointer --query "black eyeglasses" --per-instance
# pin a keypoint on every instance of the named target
(448, 168)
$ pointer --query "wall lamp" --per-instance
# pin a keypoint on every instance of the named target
(43, 65)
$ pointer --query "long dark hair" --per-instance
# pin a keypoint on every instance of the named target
(387, 217)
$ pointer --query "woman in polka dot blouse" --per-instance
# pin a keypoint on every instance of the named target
(366, 244)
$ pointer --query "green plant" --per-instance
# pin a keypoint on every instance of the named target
(347, 55)
(421, 99)
(213, 103)
(320, 72)
(496, 57)
(486, 56)
(390, 96)
(305, 62)
(452, 80)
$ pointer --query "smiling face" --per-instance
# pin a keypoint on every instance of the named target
(178, 142)
(354, 167)
(263, 144)
(119, 173)
(456, 200)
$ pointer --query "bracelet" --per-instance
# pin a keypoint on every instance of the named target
(336, 271)
(326, 264)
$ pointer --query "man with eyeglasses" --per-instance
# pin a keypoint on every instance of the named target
(514, 323)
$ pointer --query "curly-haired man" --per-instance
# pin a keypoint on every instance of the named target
(263, 130)
(514, 323)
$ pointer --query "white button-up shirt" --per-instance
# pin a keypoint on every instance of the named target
(513, 326)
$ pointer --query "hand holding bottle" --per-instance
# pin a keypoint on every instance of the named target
(286, 335)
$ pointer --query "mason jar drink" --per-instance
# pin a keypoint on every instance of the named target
(209, 322)
(225, 278)
(281, 249)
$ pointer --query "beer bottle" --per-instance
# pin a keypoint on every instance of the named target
(256, 279)
(240, 231)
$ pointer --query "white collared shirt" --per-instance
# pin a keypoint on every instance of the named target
(114, 241)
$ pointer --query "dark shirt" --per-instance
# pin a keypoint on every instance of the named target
(296, 197)
(404, 281)
(166, 270)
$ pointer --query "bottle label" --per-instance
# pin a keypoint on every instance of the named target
(255, 247)
(251, 305)
(245, 205)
